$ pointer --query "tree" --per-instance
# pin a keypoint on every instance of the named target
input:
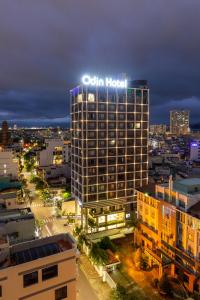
(66, 195)
(29, 161)
(45, 195)
(59, 204)
(82, 238)
(77, 230)
(28, 197)
(120, 293)
(40, 185)
(98, 256)
(165, 285)
(39, 223)
(106, 243)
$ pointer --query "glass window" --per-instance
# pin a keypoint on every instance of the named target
(91, 106)
(111, 116)
(61, 293)
(102, 96)
(50, 272)
(138, 125)
(111, 107)
(91, 97)
(102, 125)
(102, 116)
(102, 134)
(121, 125)
(112, 142)
(111, 134)
(102, 107)
(30, 278)
(91, 134)
(122, 107)
(111, 125)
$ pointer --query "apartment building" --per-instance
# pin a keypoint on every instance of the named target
(54, 160)
(39, 269)
(8, 164)
(109, 128)
(57, 152)
(170, 229)
(179, 122)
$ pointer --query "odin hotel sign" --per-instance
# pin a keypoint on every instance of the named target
(106, 82)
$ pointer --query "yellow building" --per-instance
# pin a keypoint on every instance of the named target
(39, 269)
(170, 229)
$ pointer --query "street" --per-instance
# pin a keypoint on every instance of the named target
(84, 288)
(53, 225)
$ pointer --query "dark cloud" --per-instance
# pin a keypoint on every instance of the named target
(46, 45)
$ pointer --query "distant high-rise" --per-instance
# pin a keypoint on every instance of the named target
(110, 125)
(179, 122)
(5, 135)
(158, 129)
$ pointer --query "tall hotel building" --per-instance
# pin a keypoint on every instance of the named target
(109, 149)
(179, 122)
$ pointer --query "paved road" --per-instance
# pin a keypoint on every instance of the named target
(52, 226)
(85, 291)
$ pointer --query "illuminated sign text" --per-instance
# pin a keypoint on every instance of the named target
(107, 82)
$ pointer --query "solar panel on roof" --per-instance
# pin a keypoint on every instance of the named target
(35, 253)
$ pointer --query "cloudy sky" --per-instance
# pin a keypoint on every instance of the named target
(46, 45)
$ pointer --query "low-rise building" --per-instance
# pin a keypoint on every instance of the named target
(17, 224)
(39, 269)
(11, 194)
(8, 164)
(170, 229)
(12, 199)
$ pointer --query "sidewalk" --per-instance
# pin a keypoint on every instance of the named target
(101, 289)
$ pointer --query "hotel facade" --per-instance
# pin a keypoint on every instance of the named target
(109, 160)
(169, 230)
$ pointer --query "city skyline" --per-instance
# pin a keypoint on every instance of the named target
(41, 62)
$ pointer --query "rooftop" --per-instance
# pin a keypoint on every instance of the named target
(6, 184)
(35, 249)
(148, 189)
(15, 214)
(187, 186)
(189, 181)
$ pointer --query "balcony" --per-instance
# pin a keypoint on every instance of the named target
(104, 212)
(113, 222)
